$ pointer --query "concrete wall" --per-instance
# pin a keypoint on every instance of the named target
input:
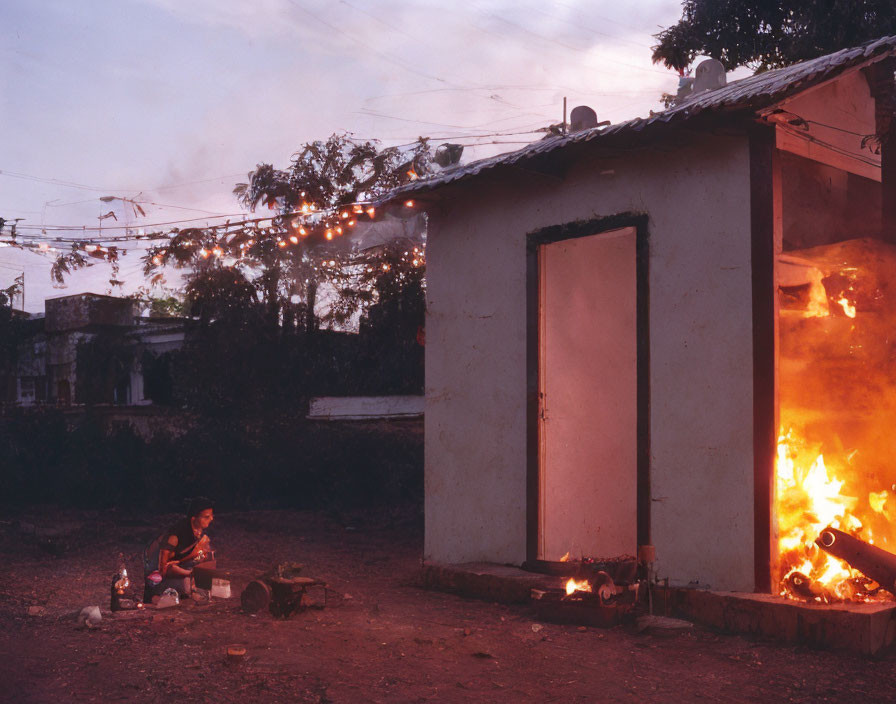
(364, 407)
(88, 309)
(697, 200)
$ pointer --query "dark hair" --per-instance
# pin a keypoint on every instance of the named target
(198, 505)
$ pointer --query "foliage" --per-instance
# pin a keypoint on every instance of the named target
(13, 330)
(283, 462)
(332, 174)
(764, 34)
(284, 264)
(8, 294)
(161, 304)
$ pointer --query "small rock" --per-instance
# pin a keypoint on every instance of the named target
(467, 631)
(90, 616)
(536, 627)
(582, 628)
(36, 610)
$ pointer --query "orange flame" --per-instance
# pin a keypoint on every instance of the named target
(572, 586)
(810, 497)
(818, 297)
(848, 308)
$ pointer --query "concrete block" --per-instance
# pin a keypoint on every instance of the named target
(861, 628)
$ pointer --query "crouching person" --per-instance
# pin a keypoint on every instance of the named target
(169, 560)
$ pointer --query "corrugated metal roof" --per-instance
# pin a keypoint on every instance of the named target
(753, 92)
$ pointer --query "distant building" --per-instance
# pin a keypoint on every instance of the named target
(47, 369)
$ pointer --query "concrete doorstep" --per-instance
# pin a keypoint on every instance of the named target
(861, 628)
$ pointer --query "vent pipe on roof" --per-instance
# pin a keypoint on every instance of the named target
(710, 75)
(583, 118)
(448, 154)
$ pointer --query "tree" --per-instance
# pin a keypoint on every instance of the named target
(12, 332)
(764, 34)
(315, 201)
(252, 287)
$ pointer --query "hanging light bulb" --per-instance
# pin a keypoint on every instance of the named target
(328, 234)
(294, 239)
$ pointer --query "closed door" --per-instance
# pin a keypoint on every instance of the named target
(588, 396)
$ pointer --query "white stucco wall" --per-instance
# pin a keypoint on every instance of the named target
(697, 200)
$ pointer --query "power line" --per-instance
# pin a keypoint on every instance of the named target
(579, 25)
(505, 87)
(73, 184)
(178, 207)
(91, 228)
(55, 181)
(575, 48)
(385, 57)
(135, 200)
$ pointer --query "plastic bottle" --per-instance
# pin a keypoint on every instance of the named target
(169, 598)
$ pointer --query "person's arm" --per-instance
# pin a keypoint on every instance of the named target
(167, 566)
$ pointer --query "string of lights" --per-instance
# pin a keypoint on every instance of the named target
(306, 223)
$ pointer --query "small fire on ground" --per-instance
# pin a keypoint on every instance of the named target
(572, 586)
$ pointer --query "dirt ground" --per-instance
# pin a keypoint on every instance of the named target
(387, 641)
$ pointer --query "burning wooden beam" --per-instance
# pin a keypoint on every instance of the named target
(870, 560)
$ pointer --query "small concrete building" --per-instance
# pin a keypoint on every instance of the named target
(602, 319)
(47, 361)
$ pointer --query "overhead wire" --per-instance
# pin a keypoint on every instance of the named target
(91, 228)
(576, 48)
(579, 25)
(73, 184)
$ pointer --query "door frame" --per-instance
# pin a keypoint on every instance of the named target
(558, 233)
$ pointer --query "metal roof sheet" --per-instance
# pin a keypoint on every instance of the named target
(755, 91)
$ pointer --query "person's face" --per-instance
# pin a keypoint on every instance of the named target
(204, 518)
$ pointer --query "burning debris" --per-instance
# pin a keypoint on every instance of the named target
(598, 592)
(878, 566)
(834, 489)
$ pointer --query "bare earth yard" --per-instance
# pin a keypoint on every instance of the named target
(390, 641)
